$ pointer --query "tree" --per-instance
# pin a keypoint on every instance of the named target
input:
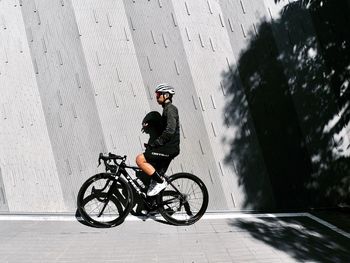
(292, 82)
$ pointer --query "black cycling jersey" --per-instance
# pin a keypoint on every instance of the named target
(166, 146)
(170, 137)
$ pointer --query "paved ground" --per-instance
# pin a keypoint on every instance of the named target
(227, 239)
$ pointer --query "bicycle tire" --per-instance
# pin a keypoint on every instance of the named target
(188, 211)
(120, 198)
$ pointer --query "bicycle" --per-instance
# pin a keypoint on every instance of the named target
(105, 199)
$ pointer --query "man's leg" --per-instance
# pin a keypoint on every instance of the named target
(144, 165)
(158, 184)
(147, 168)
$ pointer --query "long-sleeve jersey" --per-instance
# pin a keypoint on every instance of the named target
(170, 136)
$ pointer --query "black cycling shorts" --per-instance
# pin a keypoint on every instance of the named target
(160, 157)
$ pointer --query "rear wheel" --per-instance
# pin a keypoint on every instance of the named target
(104, 201)
(184, 200)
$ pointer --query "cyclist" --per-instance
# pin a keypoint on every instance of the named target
(167, 146)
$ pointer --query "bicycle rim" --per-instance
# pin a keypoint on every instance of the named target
(184, 200)
(102, 206)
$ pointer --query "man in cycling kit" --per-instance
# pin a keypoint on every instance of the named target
(167, 146)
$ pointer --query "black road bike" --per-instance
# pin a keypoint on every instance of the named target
(105, 199)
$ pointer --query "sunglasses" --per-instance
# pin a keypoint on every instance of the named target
(158, 94)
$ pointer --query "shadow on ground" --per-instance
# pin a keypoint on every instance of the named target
(300, 237)
(289, 97)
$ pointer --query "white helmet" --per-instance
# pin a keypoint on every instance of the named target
(165, 88)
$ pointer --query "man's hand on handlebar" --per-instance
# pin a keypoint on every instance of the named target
(110, 157)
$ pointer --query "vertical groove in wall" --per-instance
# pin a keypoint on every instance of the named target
(3, 200)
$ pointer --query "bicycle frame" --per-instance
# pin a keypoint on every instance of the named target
(121, 169)
(106, 198)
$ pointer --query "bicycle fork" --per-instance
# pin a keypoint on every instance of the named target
(110, 192)
(107, 198)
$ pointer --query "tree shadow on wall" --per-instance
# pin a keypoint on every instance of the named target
(288, 96)
(300, 238)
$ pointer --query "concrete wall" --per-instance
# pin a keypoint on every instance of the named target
(77, 78)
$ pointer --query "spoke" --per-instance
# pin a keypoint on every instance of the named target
(98, 206)
(194, 208)
(114, 211)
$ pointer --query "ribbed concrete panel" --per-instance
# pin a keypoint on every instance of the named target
(241, 19)
(66, 92)
(161, 55)
(209, 54)
(120, 94)
(28, 173)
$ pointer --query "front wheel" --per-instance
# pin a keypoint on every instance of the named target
(104, 201)
(184, 200)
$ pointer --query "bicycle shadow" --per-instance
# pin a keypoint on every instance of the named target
(154, 217)
(144, 218)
